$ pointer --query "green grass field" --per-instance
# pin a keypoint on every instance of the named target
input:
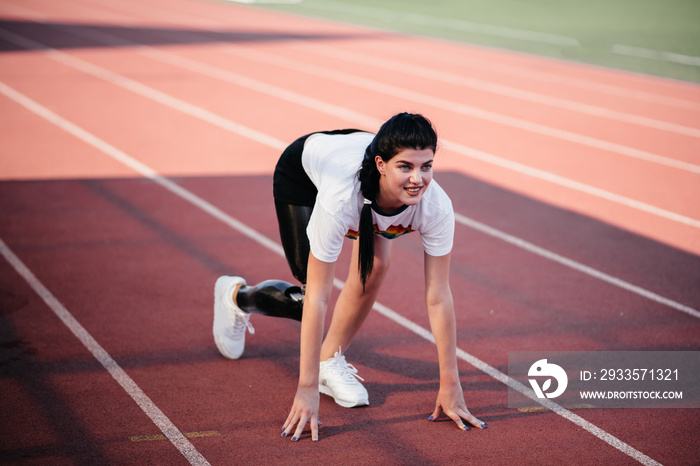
(658, 37)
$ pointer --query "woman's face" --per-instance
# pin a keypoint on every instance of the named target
(404, 178)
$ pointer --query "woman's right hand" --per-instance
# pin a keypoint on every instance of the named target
(304, 410)
(319, 284)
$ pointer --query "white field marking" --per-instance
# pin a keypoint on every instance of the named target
(127, 383)
(565, 261)
(320, 106)
(443, 23)
(459, 108)
(655, 55)
(276, 248)
(500, 89)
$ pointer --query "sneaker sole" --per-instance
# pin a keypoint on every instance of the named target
(224, 352)
(345, 404)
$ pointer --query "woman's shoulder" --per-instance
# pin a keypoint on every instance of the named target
(436, 197)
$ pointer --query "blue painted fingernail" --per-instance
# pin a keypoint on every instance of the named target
(294, 439)
(430, 418)
(284, 434)
(283, 429)
(315, 439)
(320, 423)
(483, 425)
(466, 427)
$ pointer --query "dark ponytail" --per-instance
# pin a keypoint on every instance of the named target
(402, 131)
(369, 187)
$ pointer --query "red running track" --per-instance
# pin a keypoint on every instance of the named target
(100, 99)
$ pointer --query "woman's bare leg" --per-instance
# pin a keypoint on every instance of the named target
(353, 306)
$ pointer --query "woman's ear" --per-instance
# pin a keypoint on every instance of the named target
(381, 167)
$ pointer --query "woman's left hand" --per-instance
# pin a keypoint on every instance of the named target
(450, 400)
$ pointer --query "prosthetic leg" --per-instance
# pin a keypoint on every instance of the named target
(278, 298)
(275, 298)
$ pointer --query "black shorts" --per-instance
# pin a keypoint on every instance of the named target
(290, 183)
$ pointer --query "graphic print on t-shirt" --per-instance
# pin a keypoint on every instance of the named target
(394, 231)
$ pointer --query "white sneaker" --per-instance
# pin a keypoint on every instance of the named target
(230, 321)
(338, 379)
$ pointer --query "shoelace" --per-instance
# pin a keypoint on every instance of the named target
(346, 370)
(240, 318)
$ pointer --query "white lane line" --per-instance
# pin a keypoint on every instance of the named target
(569, 183)
(443, 23)
(515, 385)
(591, 86)
(274, 247)
(565, 261)
(655, 55)
(320, 106)
(127, 383)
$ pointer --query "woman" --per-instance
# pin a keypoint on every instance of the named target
(327, 186)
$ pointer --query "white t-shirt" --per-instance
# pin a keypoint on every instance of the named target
(332, 162)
